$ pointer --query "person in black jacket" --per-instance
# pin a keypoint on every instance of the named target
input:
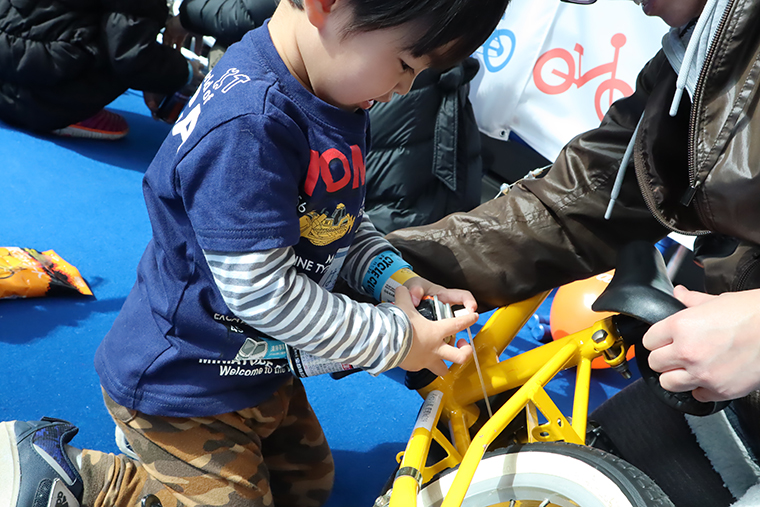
(425, 161)
(225, 20)
(62, 61)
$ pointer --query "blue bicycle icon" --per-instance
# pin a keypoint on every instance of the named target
(498, 49)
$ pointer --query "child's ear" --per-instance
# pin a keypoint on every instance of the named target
(317, 10)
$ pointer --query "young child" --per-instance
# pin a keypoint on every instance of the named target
(255, 199)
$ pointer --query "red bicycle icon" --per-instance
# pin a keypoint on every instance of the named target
(558, 55)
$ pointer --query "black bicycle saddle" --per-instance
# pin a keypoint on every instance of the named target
(641, 290)
(640, 287)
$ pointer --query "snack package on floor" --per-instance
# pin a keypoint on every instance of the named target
(26, 273)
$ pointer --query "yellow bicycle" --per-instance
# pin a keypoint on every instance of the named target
(489, 434)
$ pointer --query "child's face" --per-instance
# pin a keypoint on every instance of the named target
(673, 12)
(361, 68)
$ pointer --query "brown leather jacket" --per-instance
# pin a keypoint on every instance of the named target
(697, 172)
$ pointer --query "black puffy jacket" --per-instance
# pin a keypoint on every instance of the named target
(425, 161)
(225, 20)
(61, 61)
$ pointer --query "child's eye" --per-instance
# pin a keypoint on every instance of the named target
(405, 67)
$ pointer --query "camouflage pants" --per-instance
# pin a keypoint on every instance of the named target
(272, 454)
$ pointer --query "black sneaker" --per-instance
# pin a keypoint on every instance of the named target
(35, 470)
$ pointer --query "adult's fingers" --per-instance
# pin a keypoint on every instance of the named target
(678, 380)
(705, 395)
(690, 297)
(665, 359)
(659, 335)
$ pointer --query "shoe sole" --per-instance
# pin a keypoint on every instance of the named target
(9, 465)
(87, 133)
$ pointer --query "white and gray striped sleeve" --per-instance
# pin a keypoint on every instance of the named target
(367, 243)
(265, 290)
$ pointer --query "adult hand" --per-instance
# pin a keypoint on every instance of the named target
(711, 348)
(429, 348)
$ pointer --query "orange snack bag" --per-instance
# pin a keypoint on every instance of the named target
(25, 273)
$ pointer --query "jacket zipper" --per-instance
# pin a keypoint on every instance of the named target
(653, 207)
(694, 180)
(687, 196)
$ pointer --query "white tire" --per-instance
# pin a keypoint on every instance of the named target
(559, 474)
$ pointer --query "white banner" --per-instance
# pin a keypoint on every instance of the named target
(551, 69)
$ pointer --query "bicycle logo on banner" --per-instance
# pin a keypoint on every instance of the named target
(554, 58)
(498, 49)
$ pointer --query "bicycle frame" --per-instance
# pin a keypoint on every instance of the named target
(453, 397)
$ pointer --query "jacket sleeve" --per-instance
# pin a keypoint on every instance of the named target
(130, 29)
(546, 231)
(225, 20)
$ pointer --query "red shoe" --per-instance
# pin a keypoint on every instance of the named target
(104, 125)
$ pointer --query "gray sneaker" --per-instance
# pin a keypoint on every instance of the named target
(35, 470)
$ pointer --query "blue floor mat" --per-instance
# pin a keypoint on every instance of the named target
(83, 199)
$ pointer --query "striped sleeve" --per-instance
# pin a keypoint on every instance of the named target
(367, 243)
(265, 290)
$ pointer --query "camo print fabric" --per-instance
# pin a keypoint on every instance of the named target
(273, 454)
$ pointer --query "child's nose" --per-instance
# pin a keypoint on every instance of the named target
(405, 85)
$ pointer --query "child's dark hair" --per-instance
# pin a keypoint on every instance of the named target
(460, 25)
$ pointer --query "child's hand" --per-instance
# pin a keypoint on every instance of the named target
(420, 287)
(429, 348)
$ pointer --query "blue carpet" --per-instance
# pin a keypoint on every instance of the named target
(83, 199)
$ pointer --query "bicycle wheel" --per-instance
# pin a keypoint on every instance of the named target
(561, 55)
(551, 474)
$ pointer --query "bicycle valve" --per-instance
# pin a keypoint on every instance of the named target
(622, 366)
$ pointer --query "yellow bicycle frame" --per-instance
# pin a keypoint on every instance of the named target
(453, 397)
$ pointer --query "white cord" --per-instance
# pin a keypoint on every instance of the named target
(621, 171)
(477, 365)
